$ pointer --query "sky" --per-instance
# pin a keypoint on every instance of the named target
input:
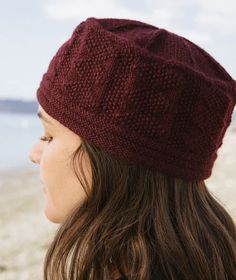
(32, 31)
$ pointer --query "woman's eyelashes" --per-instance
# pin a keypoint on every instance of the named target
(46, 139)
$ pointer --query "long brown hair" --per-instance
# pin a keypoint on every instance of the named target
(139, 221)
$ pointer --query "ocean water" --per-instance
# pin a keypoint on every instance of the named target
(19, 132)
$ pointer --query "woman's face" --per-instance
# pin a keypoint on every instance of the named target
(63, 190)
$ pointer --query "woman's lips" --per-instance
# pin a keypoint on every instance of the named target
(43, 187)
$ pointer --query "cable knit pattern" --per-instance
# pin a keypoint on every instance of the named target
(144, 94)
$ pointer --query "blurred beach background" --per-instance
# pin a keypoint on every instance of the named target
(30, 34)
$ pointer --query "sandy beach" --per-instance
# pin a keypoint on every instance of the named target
(25, 232)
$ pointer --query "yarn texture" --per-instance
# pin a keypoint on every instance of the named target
(142, 93)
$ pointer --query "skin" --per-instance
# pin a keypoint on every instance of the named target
(63, 190)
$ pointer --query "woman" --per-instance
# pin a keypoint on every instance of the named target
(133, 117)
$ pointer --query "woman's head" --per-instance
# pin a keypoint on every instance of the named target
(54, 154)
(140, 113)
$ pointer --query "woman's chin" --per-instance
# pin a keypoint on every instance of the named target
(52, 215)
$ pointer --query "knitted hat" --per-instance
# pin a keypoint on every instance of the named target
(142, 93)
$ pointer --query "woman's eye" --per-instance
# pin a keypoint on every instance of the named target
(46, 139)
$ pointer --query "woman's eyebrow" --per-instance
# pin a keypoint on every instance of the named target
(39, 114)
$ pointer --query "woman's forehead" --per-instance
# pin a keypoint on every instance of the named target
(42, 114)
(52, 123)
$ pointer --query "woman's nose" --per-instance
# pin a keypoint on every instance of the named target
(35, 154)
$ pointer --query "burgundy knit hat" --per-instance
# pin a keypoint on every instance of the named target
(142, 93)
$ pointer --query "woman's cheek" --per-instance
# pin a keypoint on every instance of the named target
(47, 166)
